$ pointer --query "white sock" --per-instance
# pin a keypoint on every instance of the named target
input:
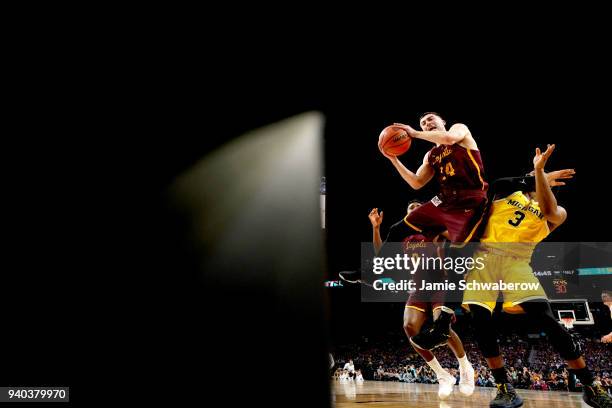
(437, 368)
(464, 364)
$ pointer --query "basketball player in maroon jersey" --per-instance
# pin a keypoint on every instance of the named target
(458, 207)
(420, 305)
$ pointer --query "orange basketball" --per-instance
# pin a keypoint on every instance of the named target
(394, 141)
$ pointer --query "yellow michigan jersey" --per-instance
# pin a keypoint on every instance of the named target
(515, 226)
(516, 219)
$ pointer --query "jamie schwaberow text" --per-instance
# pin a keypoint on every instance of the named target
(405, 285)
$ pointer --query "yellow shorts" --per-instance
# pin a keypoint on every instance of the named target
(502, 269)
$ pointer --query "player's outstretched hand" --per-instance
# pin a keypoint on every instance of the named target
(607, 338)
(407, 128)
(375, 218)
(540, 159)
(554, 176)
(391, 157)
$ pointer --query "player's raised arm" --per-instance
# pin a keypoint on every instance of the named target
(416, 180)
(506, 185)
(554, 213)
(376, 220)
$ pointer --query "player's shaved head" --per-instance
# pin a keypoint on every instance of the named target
(432, 121)
(430, 113)
(413, 205)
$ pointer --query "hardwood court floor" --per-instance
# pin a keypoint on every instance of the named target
(397, 394)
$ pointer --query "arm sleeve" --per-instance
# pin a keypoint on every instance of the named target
(506, 185)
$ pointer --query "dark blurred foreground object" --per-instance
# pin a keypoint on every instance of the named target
(249, 250)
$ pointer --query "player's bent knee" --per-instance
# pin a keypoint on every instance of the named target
(410, 328)
(481, 316)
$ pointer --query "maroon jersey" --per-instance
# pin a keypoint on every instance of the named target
(416, 244)
(457, 168)
(423, 300)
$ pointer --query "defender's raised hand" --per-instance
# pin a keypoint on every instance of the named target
(540, 159)
(375, 218)
(554, 176)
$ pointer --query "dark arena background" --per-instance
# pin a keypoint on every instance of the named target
(228, 290)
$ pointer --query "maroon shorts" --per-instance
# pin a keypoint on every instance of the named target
(426, 301)
(459, 212)
(435, 300)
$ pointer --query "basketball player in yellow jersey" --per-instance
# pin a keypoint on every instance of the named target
(516, 224)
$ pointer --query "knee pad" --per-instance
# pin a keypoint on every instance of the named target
(566, 344)
(483, 331)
